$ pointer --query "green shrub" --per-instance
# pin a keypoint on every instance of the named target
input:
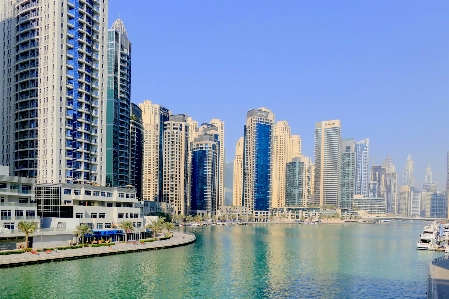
(12, 252)
(103, 244)
(148, 240)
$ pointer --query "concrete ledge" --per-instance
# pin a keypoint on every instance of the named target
(438, 280)
(16, 260)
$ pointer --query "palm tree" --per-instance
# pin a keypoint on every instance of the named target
(169, 226)
(181, 217)
(156, 226)
(197, 218)
(251, 218)
(28, 228)
(81, 230)
(127, 225)
(189, 218)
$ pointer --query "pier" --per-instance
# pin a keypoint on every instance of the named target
(15, 260)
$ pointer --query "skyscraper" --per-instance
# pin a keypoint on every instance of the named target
(408, 178)
(447, 183)
(237, 190)
(282, 152)
(362, 167)
(54, 59)
(257, 167)
(204, 174)
(296, 146)
(153, 116)
(391, 187)
(176, 164)
(118, 106)
(378, 175)
(348, 169)
(221, 161)
(136, 146)
(327, 162)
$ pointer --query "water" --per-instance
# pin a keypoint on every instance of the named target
(254, 261)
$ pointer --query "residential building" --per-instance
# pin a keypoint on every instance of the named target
(299, 182)
(371, 205)
(221, 161)
(347, 173)
(447, 182)
(327, 162)
(176, 164)
(17, 201)
(47, 44)
(282, 152)
(204, 185)
(136, 153)
(404, 201)
(154, 116)
(362, 167)
(237, 190)
(415, 206)
(378, 175)
(118, 137)
(296, 146)
(438, 205)
(428, 189)
(391, 186)
(257, 163)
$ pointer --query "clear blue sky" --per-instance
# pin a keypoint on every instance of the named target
(381, 67)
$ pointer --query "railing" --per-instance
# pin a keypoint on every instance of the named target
(16, 191)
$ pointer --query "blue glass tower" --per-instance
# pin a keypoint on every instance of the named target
(257, 162)
(118, 106)
(136, 145)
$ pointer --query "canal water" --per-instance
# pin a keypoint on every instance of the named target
(254, 261)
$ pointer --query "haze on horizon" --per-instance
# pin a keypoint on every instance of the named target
(381, 67)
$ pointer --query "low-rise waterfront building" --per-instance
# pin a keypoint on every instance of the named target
(438, 205)
(372, 205)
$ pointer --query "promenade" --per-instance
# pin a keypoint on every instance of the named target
(438, 285)
(14, 260)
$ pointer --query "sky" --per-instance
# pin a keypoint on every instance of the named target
(381, 67)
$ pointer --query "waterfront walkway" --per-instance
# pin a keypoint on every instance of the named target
(439, 278)
(14, 260)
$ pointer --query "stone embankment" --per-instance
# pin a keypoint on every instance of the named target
(438, 282)
(14, 260)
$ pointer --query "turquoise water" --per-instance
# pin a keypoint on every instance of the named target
(254, 261)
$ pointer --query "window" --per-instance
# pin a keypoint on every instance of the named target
(23, 200)
(103, 194)
(93, 215)
(19, 213)
(99, 225)
(8, 225)
(77, 192)
(109, 204)
(121, 195)
(109, 194)
(5, 214)
(127, 195)
(118, 204)
(88, 192)
(139, 224)
(96, 193)
(102, 215)
(30, 214)
(67, 191)
(107, 225)
(120, 215)
(79, 215)
(136, 215)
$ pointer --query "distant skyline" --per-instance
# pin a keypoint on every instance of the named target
(381, 67)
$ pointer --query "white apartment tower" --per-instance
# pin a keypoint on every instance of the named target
(362, 168)
(391, 186)
(238, 174)
(296, 146)
(282, 152)
(408, 178)
(221, 161)
(153, 117)
(327, 162)
(54, 89)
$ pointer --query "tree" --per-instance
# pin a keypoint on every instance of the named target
(214, 218)
(155, 226)
(81, 230)
(28, 228)
(197, 218)
(189, 218)
(169, 226)
(127, 225)
(251, 217)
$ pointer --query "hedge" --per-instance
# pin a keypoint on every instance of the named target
(148, 240)
(103, 244)
(12, 252)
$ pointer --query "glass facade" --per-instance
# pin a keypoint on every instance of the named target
(204, 177)
(136, 145)
(262, 181)
(294, 184)
(118, 107)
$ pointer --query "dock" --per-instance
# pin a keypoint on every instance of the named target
(23, 259)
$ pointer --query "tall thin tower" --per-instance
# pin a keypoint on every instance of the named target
(327, 162)
(237, 189)
(257, 165)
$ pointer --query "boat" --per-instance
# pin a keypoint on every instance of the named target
(429, 237)
(385, 221)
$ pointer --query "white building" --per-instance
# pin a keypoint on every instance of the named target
(327, 162)
(237, 190)
(362, 168)
(17, 202)
(54, 89)
(221, 161)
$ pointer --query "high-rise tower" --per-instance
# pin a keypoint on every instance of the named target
(221, 161)
(347, 174)
(54, 69)
(153, 116)
(282, 152)
(257, 165)
(118, 106)
(408, 178)
(327, 162)
(362, 167)
(391, 186)
(136, 153)
(237, 188)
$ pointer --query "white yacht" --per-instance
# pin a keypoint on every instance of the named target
(428, 238)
